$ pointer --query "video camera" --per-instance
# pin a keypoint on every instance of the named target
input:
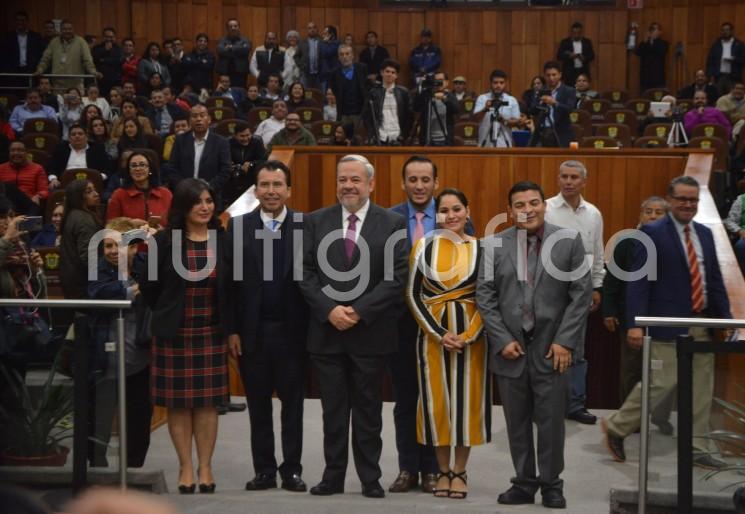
(429, 83)
(497, 102)
(677, 114)
(538, 106)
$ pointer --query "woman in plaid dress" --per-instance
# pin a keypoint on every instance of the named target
(189, 365)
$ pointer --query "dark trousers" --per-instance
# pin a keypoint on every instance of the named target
(412, 456)
(103, 405)
(538, 398)
(351, 384)
(275, 365)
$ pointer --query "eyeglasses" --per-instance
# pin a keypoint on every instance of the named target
(685, 199)
(135, 165)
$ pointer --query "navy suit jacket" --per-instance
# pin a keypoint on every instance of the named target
(670, 294)
(714, 59)
(34, 50)
(403, 210)
(247, 295)
(566, 97)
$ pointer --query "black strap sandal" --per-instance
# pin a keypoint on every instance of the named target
(438, 492)
(458, 495)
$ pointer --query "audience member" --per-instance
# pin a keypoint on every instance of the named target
(129, 89)
(180, 126)
(150, 64)
(724, 63)
(49, 32)
(253, 99)
(293, 134)
(343, 136)
(530, 350)
(291, 72)
(733, 103)
(651, 117)
(575, 54)
(583, 89)
(701, 114)
(199, 65)
(373, 56)
(246, 151)
(273, 89)
(700, 83)
(309, 60)
(350, 336)
(688, 284)
(161, 114)
(108, 58)
(94, 97)
(569, 209)
(141, 198)
(735, 224)
(130, 110)
(80, 222)
(48, 97)
(425, 58)
(90, 112)
(496, 126)
(273, 123)
(269, 335)
(437, 111)
(6, 129)
(349, 84)
(132, 136)
(387, 111)
(175, 64)
(50, 234)
(267, 59)
(296, 97)
(27, 176)
(24, 47)
(67, 54)
(557, 128)
(193, 319)
(98, 133)
(171, 99)
(652, 52)
(330, 111)
(77, 153)
(329, 56)
(32, 108)
(232, 54)
(460, 89)
(224, 90)
(71, 110)
(531, 95)
(130, 62)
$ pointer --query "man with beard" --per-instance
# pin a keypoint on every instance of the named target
(702, 114)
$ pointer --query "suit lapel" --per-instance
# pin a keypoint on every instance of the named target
(509, 243)
(334, 222)
(189, 152)
(547, 231)
(673, 234)
(287, 233)
(256, 247)
(368, 229)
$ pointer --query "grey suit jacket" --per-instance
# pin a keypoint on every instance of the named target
(560, 306)
(379, 301)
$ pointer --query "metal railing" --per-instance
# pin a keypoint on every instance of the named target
(685, 431)
(32, 76)
(80, 380)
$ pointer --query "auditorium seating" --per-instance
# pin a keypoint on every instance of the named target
(600, 142)
(318, 96)
(655, 94)
(650, 142)
(155, 142)
(220, 102)
(625, 117)
(83, 174)
(710, 130)
(323, 131)
(41, 125)
(257, 115)
(657, 129)
(41, 141)
(582, 118)
(597, 107)
(226, 128)
(309, 115)
(40, 157)
(221, 113)
(468, 132)
(617, 97)
(614, 130)
(640, 106)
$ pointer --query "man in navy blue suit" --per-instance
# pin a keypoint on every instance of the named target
(554, 128)
(688, 284)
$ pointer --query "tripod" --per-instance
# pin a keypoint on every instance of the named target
(497, 129)
(376, 127)
(432, 107)
(542, 117)
(677, 135)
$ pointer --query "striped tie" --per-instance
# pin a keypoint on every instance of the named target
(697, 286)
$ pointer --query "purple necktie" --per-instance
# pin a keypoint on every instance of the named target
(350, 237)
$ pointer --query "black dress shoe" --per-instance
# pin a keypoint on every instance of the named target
(516, 496)
(207, 488)
(262, 482)
(373, 490)
(187, 489)
(582, 416)
(325, 488)
(236, 407)
(553, 499)
(222, 409)
(664, 426)
(613, 443)
(294, 483)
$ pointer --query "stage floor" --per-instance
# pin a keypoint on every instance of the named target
(588, 476)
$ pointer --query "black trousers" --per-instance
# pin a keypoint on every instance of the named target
(103, 403)
(351, 384)
(275, 365)
(402, 365)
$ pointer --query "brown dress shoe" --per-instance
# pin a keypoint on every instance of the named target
(429, 482)
(404, 482)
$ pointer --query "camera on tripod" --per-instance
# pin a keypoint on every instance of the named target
(429, 83)
(677, 114)
(497, 102)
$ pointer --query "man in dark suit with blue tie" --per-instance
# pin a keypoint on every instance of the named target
(271, 319)
(354, 274)
(688, 284)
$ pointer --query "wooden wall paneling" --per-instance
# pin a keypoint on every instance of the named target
(154, 24)
(199, 21)
(92, 12)
(273, 21)
(215, 24)
(346, 24)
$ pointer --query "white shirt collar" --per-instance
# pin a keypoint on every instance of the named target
(361, 213)
(680, 227)
(79, 151)
(267, 217)
(562, 202)
(204, 139)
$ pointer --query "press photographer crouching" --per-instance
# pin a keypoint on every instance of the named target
(437, 108)
(245, 150)
(501, 113)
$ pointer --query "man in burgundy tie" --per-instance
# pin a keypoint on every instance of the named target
(689, 284)
(354, 274)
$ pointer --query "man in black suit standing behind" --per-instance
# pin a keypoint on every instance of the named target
(271, 325)
(353, 324)
(23, 50)
(576, 54)
(554, 128)
(200, 153)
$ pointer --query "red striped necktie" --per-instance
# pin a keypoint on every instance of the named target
(697, 285)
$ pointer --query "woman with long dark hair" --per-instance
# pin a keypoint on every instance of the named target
(98, 132)
(189, 301)
(130, 110)
(133, 136)
(141, 197)
(149, 64)
(296, 98)
(531, 94)
(80, 222)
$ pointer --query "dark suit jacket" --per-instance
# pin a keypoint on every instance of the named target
(379, 303)
(563, 55)
(376, 96)
(35, 46)
(246, 296)
(96, 159)
(373, 62)
(174, 110)
(566, 97)
(712, 93)
(670, 294)
(337, 81)
(165, 296)
(713, 60)
(652, 63)
(214, 166)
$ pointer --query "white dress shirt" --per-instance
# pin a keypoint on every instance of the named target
(361, 215)
(268, 128)
(199, 145)
(577, 48)
(680, 227)
(511, 110)
(22, 48)
(266, 218)
(588, 221)
(77, 159)
(726, 66)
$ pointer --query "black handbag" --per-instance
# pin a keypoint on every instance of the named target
(23, 333)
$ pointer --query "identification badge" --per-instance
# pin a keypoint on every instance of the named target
(110, 347)
(63, 59)
(656, 364)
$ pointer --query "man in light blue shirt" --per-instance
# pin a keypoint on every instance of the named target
(33, 108)
(497, 132)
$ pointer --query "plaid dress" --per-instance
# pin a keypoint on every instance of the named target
(191, 370)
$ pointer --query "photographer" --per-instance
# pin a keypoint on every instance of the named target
(245, 150)
(502, 113)
(437, 108)
(551, 110)
(388, 108)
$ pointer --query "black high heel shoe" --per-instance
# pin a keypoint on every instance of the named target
(207, 488)
(187, 489)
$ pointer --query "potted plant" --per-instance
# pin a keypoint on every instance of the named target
(31, 427)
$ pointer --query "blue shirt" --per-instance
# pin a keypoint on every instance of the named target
(348, 72)
(21, 113)
(428, 221)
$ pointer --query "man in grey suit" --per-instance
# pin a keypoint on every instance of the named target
(533, 290)
(354, 288)
(309, 58)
